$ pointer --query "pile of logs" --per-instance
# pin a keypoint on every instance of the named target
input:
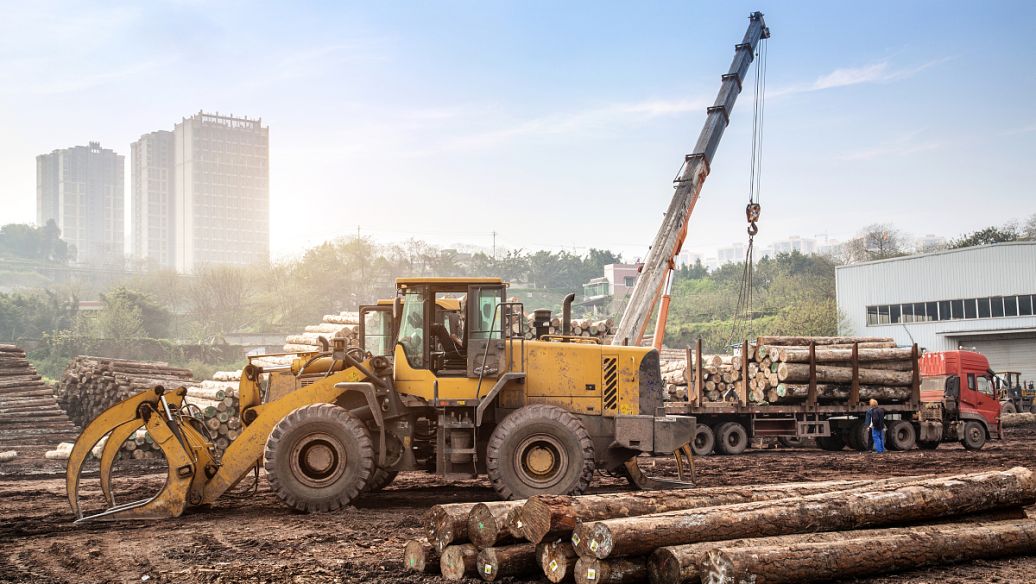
(602, 329)
(31, 420)
(91, 385)
(778, 371)
(796, 532)
(345, 325)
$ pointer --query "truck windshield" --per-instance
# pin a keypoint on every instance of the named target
(934, 383)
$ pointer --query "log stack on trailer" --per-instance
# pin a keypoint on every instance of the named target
(602, 329)
(31, 420)
(344, 325)
(798, 532)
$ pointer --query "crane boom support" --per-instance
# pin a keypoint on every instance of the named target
(670, 237)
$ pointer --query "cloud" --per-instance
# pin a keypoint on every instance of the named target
(881, 72)
(903, 146)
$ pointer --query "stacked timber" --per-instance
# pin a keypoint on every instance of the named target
(344, 325)
(734, 534)
(602, 329)
(91, 385)
(31, 421)
(776, 370)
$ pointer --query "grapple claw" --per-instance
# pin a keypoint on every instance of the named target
(644, 482)
(116, 438)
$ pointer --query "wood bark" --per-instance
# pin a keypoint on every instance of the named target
(447, 524)
(421, 556)
(799, 372)
(512, 560)
(829, 392)
(515, 523)
(557, 560)
(552, 516)
(458, 561)
(487, 523)
(616, 571)
(853, 558)
(825, 355)
(921, 500)
(805, 341)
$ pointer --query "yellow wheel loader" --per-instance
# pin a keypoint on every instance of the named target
(443, 381)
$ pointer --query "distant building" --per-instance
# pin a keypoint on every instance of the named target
(981, 298)
(222, 191)
(153, 198)
(606, 293)
(930, 243)
(733, 253)
(803, 245)
(82, 189)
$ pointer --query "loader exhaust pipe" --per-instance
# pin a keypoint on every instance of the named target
(566, 314)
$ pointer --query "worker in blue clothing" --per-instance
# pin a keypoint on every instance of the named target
(876, 423)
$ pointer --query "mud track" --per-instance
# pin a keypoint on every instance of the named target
(256, 539)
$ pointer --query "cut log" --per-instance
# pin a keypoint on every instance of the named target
(825, 355)
(552, 516)
(799, 372)
(805, 341)
(512, 560)
(830, 392)
(9, 455)
(447, 524)
(487, 523)
(515, 523)
(421, 556)
(459, 561)
(617, 571)
(682, 563)
(853, 558)
(897, 503)
(558, 560)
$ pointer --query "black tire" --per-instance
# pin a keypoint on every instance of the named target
(791, 441)
(833, 443)
(731, 438)
(319, 458)
(860, 437)
(1032, 409)
(380, 479)
(704, 440)
(1007, 408)
(540, 449)
(974, 436)
(900, 435)
(926, 445)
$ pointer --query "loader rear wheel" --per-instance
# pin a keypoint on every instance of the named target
(319, 458)
(540, 449)
(1007, 408)
(380, 479)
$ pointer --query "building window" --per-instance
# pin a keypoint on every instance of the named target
(629, 281)
(944, 310)
(1010, 306)
(1025, 305)
(872, 315)
(967, 308)
(956, 309)
(908, 312)
(894, 314)
(983, 307)
(996, 306)
(970, 308)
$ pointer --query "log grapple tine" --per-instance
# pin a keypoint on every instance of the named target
(115, 440)
(646, 483)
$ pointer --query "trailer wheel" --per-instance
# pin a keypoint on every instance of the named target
(1007, 408)
(704, 440)
(859, 437)
(834, 442)
(974, 436)
(731, 438)
(319, 458)
(540, 449)
(901, 435)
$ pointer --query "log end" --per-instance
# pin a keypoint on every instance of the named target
(482, 526)
(717, 569)
(420, 556)
(458, 561)
(664, 567)
(488, 567)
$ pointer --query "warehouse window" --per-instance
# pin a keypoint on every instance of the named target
(908, 313)
(894, 314)
(996, 306)
(1025, 305)
(920, 312)
(1010, 306)
(956, 309)
(944, 310)
(983, 307)
(883, 314)
(970, 308)
(872, 315)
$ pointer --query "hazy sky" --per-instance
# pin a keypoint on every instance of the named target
(553, 124)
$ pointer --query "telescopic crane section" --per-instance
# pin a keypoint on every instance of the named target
(656, 274)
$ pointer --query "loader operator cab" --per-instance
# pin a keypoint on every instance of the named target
(379, 326)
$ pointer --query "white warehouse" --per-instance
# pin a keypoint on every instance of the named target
(981, 298)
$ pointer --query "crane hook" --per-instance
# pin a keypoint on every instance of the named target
(752, 211)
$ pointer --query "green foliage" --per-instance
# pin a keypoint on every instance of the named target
(34, 313)
(792, 294)
(33, 243)
(119, 320)
(154, 319)
(989, 235)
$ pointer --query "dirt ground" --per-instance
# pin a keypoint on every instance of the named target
(257, 539)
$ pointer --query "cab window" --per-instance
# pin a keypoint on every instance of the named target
(411, 328)
(377, 332)
(487, 315)
(971, 381)
(985, 385)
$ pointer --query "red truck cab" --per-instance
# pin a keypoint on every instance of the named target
(958, 400)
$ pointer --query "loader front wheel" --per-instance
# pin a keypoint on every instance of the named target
(540, 449)
(319, 458)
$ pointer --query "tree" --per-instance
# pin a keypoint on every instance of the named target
(34, 243)
(120, 319)
(987, 236)
(1029, 229)
(154, 319)
(875, 242)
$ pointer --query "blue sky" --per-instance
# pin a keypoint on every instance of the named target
(555, 125)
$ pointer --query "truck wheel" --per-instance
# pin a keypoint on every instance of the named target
(380, 479)
(834, 442)
(704, 440)
(926, 445)
(791, 441)
(901, 435)
(319, 458)
(1032, 409)
(860, 437)
(731, 438)
(1007, 408)
(974, 436)
(540, 449)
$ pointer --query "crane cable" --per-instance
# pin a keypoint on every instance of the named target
(742, 325)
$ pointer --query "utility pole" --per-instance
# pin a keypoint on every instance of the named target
(494, 245)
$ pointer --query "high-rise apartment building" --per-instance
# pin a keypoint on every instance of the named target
(222, 186)
(153, 198)
(81, 189)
